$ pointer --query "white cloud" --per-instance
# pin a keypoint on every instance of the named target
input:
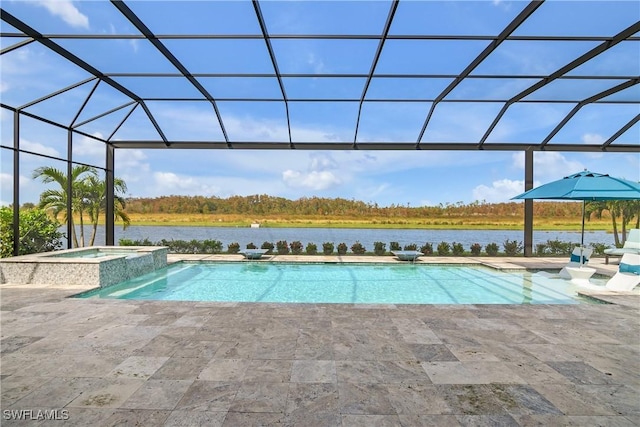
(67, 11)
(90, 147)
(36, 147)
(500, 191)
(313, 180)
(548, 165)
(316, 63)
(171, 183)
(592, 138)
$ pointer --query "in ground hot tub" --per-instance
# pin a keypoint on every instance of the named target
(93, 266)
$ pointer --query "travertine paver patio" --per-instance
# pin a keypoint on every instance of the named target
(152, 363)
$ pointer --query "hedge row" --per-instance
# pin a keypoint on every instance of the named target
(282, 247)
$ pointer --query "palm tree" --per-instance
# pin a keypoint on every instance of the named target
(95, 192)
(88, 197)
(56, 199)
(624, 209)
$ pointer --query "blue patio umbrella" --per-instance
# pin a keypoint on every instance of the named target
(585, 186)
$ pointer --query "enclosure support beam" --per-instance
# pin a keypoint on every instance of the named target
(528, 204)
(109, 196)
(16, 183)
(70, 224)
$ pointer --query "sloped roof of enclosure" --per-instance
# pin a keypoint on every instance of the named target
(396, 74)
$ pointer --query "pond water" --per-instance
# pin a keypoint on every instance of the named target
(367, 237)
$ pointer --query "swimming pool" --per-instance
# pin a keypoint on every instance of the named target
(343, 283)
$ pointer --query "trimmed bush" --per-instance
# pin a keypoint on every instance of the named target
(312, 249)
(556, 247)
(491, 249)
(251, 246)
(296, 247)
(512, 247)
(379, 248)
(394, 246)
(427, 249)
(411, 247)
(541, 249)
(598, 248)
(282, 247)
(342, 248)
(457, 249)
(211, 247)
(143, 242)
(327, 248)
(233, 248)
(268, 246)
(476, 248)
(444, 248)
(358, 249)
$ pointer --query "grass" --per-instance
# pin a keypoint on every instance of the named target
(432, 223)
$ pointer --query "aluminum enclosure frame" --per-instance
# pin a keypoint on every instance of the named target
(28, 35)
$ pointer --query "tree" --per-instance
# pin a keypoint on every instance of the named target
(37, 232)
(626, 210)
(55, 200)
(95, 192)
(88, 198)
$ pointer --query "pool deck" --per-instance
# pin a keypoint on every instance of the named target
(155, 363)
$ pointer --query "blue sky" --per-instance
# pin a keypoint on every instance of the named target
(384, 177)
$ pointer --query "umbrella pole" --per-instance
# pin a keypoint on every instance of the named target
(582, 235)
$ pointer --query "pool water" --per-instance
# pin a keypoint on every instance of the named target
(342, 283)
(96, 253)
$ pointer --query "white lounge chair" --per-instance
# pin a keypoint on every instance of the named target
(626, 278)
(631, 246)
(407, 255)
(576, 261)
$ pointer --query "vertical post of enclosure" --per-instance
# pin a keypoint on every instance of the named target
(528, 203)
(70, 224)
(16, 183)
(109, 196)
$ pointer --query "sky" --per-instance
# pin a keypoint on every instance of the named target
(413, 178)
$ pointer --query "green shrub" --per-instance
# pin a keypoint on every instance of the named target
(296, 247)
(512, 247)
(143, 242)
(233, 248)
(541, 249)
(182, 246)
(556, 247)
(312, 249)
(342, 248)
(268, 246)
(358, 249)
(37, 232)
(394, 246)
(427, 249)
(210, 246)
(457, 249)
(411, 247)
(598, 248)
(282, 247)
(379, 248)
(491, 249)
(327, 248)
(444, 248)
(476, 248)
(250, 245)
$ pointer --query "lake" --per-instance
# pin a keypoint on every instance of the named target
(367, 237)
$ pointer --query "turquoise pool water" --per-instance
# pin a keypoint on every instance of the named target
(342, 283)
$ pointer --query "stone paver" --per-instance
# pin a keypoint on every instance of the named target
(155, 363)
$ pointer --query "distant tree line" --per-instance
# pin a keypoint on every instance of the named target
(262, 204)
